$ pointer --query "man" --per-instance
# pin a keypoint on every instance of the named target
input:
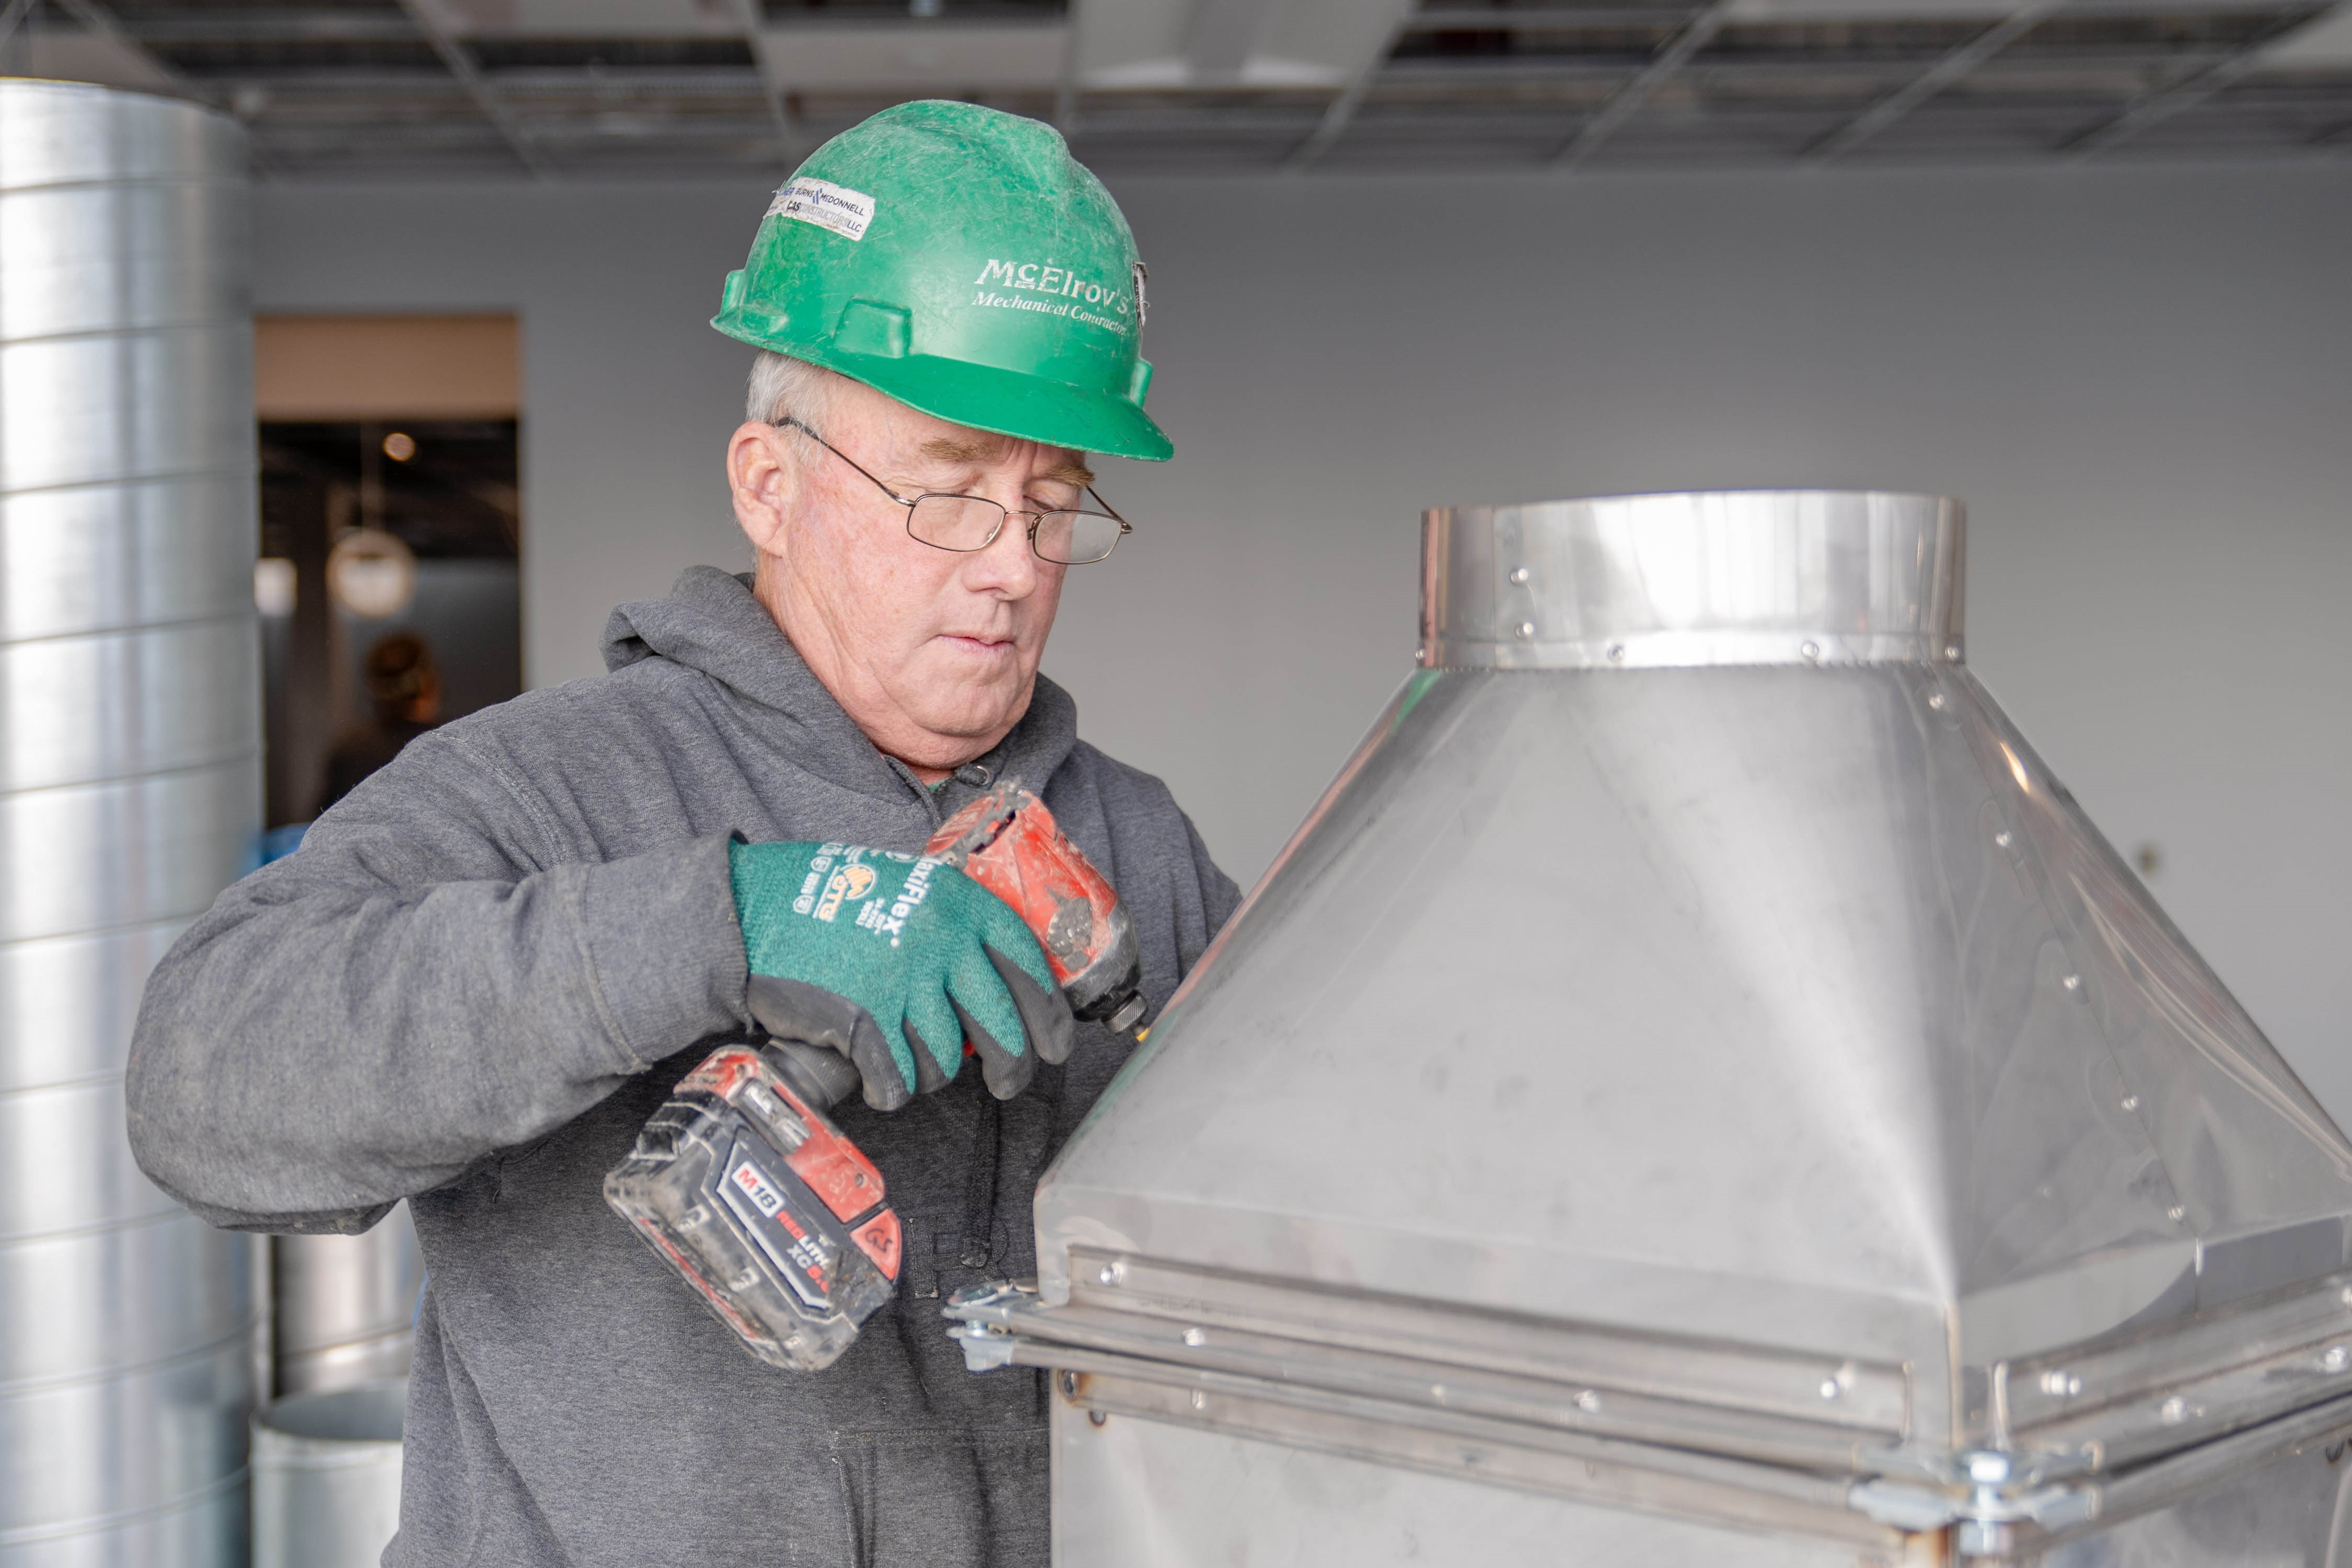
(486, 966)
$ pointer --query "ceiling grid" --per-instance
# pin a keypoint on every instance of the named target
(659, 89)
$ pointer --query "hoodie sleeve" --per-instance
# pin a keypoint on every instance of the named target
(419, 986)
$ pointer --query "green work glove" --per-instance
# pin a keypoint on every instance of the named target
(895, 961)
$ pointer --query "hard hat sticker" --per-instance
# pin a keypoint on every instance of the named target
(827, 205)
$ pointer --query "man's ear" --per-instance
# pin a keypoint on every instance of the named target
(764, 477)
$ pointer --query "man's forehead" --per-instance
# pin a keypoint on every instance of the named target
(973, 448)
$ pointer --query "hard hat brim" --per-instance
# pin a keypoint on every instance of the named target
(983, 397)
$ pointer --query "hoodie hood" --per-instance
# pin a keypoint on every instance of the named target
(711, 622)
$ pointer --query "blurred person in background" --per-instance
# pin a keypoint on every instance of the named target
(404, 685)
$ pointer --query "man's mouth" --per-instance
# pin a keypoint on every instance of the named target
(976, 644)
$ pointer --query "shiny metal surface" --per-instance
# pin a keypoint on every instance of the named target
(326, 1477)
(96, 1303)
(103, 558)
(130, 795)
(343, 1310)
(99, 410)
(1750, 577)
(93, 857)
(118, 257)
(64, 1015)
(1130, 1491)
(1719, 995)
(157, 699)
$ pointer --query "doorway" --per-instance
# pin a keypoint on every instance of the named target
(389, 583)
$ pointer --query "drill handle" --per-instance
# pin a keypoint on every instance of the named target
(822, 1077)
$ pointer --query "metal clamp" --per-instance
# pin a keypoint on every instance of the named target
(983, 1320)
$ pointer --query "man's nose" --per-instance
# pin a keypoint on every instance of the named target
(1007, 566)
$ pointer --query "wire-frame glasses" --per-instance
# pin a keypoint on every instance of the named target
(1070, 536)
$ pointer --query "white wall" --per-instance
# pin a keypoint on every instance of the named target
(2139, 379)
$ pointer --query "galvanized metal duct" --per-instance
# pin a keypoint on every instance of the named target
(343, 1308)
(130, 793)
(1696, 1089)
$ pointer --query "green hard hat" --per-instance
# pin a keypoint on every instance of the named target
(960, 260)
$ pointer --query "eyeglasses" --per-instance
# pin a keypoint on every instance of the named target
(967, 523)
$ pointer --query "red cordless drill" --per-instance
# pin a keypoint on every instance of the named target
(743, 1184)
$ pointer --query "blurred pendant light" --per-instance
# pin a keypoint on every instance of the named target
(371, 574)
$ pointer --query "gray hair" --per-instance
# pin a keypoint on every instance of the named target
(782, 385)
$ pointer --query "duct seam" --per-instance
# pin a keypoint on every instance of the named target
(174, 624)
(123, 482)
(29, 1385)
(33, 1535)
(126, 334)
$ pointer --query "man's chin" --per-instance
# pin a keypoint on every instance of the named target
(969, 723)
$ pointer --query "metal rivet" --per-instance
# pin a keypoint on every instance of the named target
(2175, 1212)
(2061, 1384)
(1616, 651)
(1936, 699)
(1437, 1392)
(1109, 1275)
(1098, 1417)
(1589, 1402)
(2073, 982)
(1525, 629)
(2003, 838)
(1200, 1400)
(1195, 1338)
(1830, 1389)
(1520, 574)
(2131, 1102)
(1811, 650)
(2336, 1359)
(2173, 1411)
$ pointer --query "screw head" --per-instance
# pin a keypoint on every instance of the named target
(1616, 651)
(1988, 1467)
(1811, 650)
(1110, 1274)
(1195, 1337)
(2131, 1102)
(2175, 1212)
(1524, 630)
(1520, 574)
(2073, 982)
(2337, 1358)
(1589, 1402)
(2003, 838)
(1199, 1399)
(1934, 699)
(1830, 1388)
(2173, 1411)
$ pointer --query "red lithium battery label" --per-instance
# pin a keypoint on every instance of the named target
(765, 1197)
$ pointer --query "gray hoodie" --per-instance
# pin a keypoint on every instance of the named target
(480, 975)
